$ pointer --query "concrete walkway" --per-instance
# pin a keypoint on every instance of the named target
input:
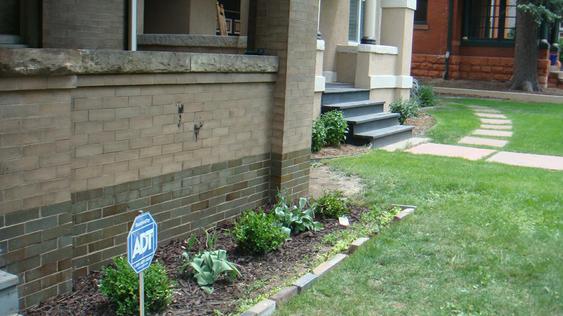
(493, 124)
(508, 158)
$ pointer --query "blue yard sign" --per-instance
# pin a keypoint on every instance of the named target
(142, 242)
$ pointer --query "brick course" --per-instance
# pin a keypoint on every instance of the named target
(471, 67)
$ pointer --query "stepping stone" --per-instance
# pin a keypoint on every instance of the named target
(469, 140)
(479, 107)
(491, 115)
(488, 111)
(528, 160)
(495, 121)
(487, 132)
(451, 151)
(499, 127)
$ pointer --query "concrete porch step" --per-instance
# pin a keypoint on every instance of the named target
(386, 136)
(13, 45)
(334, 94)
(356, 108)
(370, 122)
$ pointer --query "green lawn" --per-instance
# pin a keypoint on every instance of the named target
(485, 240)
(538, 127)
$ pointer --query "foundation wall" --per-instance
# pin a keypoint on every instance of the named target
(80, 155)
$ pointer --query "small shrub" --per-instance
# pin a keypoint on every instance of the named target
(336, 127)
(332, 205)
(425, 96)
(258, 233)
(319, 135)
(207, 267)
(296, 218)
(406, 108)
(120, 284)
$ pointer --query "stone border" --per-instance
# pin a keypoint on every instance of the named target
(513, 96)
(61, 62)
(268, 306)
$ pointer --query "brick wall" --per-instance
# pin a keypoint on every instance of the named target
(84, 24)
(471, 67)
(81, 155)
(287, 29)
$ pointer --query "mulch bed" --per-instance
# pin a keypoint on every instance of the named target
(272, 270)
(343, 150)
(422, 123)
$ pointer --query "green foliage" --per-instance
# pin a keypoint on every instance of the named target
(336, 127)
(258, 233)
(370, 223)
(120, 284)
(207, 267)
(319, 135)
(543, 10)
(406, 108)
(425, 96)
(332, 205)
(296, 218)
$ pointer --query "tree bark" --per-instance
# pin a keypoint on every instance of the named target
(525, 75)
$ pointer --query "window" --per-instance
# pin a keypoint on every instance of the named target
(421, 13)
(355, 21)
(490, 20)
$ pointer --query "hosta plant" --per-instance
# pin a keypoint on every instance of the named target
(208, 266)
(296, 218)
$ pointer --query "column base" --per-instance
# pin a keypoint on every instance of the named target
(369, 41)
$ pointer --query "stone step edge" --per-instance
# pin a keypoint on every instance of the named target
(268, 306)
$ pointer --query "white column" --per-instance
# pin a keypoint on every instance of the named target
(133, 26)
(370, 17)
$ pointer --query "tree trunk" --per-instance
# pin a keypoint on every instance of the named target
(525, 75)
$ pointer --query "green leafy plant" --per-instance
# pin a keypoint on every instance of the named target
(207, 267)
(296, 218)
(336, 127)
(120, 284)
(425, 96)
(258, 233)
(332, 205)
(319, 135)
(406, 109)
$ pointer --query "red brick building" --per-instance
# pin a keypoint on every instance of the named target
(468, 39)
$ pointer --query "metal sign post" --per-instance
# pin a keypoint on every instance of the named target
(142, 242)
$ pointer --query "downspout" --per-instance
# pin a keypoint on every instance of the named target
(449, 40)
(133, 26)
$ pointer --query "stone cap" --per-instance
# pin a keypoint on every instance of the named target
(7, 280)
(61, 62)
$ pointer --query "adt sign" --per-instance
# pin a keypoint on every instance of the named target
(142, 242)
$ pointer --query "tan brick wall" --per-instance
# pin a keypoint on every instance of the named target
(287, 29)
(127, 133)
(35, 148)
(80, 156)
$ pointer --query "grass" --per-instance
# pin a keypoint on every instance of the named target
(485, 240)
(536, 126)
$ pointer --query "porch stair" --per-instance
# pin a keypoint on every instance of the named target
(367, 121)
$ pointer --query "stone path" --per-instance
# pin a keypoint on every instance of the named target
(493, 124)
(469, 153)
(528, 160)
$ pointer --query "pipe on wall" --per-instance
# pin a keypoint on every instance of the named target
(449, 39)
